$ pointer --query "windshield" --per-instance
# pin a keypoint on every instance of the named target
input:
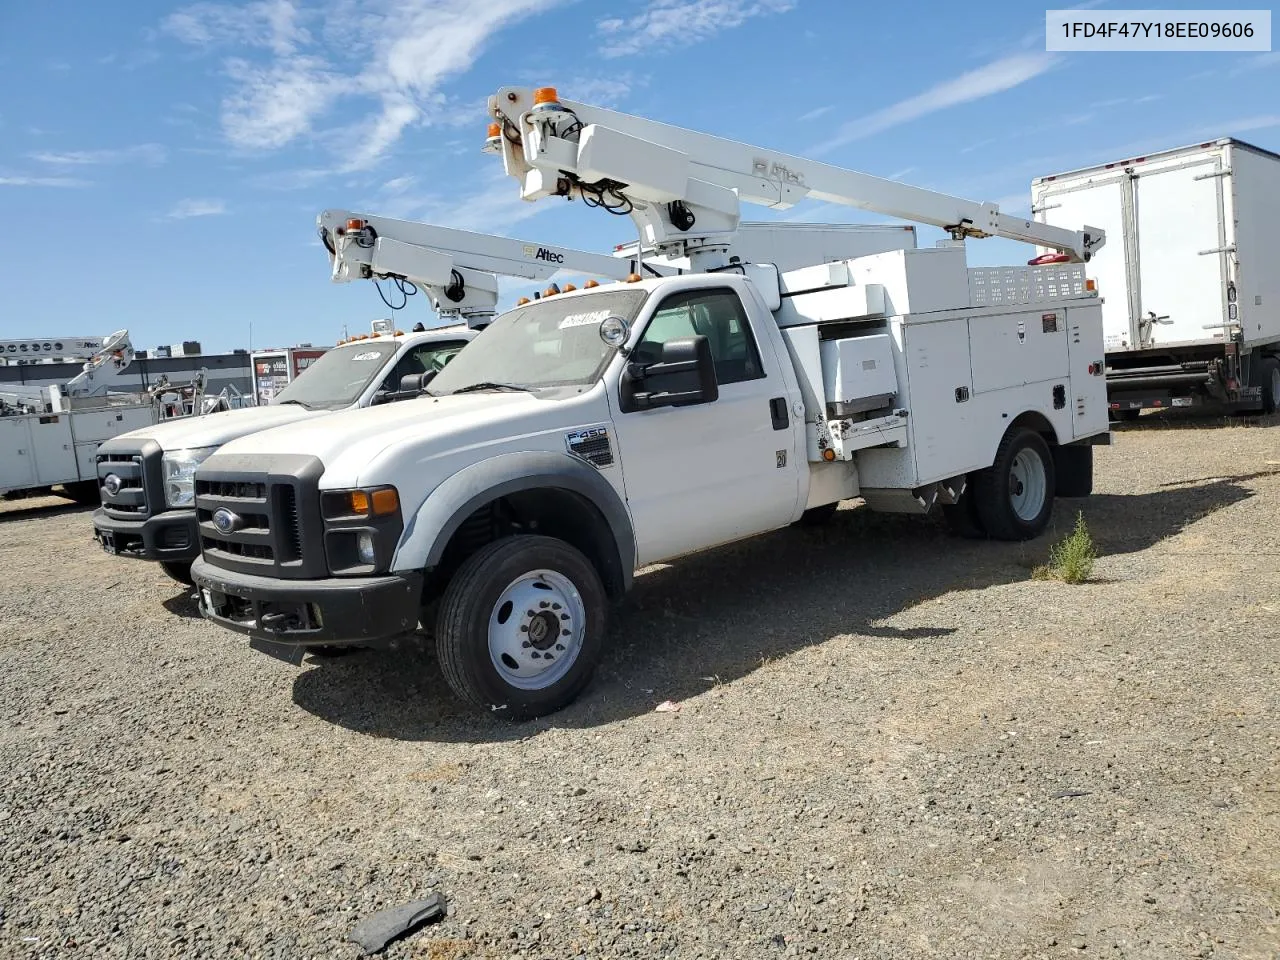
(547, 343)
(337, 378)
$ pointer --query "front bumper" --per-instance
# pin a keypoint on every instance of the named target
(333, 611)
(171, 536)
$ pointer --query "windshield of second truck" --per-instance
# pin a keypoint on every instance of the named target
(339, 376)
(552, 342)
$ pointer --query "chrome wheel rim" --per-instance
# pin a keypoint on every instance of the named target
(536, 629)
(1027, 485)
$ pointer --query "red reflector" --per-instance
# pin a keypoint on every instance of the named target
(1115, 406)
(1157, 403)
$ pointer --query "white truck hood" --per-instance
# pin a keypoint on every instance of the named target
(349, 443)
(215, 429)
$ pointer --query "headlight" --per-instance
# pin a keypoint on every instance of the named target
(178, 468)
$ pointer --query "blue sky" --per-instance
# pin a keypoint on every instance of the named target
(162, 164)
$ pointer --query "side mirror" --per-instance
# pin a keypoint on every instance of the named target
(684, 375)
(416, 382)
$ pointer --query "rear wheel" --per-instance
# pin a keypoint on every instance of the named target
(1126, 415)
(179, 570)
(521, 626)
(1014, 496)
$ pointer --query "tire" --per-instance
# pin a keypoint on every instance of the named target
(1127, 416)
(84, 492)
(179, 570)
(1014, 496)
(491, 612)
(817, 516)
(1073, 471)
(962, 517)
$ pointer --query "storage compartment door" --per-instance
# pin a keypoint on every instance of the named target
(1099, 205)
(1179, 212)
(17, 459)
(941, 390)
(55, 454)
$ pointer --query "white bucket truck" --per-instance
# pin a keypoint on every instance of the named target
(587, 434)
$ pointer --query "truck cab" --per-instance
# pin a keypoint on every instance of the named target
(593, 432)
(144, 476)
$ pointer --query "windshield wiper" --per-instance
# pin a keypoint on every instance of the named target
(304, 406)
(489, 385)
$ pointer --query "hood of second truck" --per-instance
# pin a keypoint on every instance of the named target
(215, 429)
(378, 445)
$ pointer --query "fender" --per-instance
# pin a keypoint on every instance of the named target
(428, 531)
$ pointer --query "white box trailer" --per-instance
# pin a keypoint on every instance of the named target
(1189, 276)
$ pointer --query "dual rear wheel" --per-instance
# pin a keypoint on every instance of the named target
(1013, 498)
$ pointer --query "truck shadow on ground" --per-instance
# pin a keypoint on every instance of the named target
(717, 616)
(40, 507)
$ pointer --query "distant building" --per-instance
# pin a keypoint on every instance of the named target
(147, 368)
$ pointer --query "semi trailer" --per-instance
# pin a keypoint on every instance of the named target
(1189, 279)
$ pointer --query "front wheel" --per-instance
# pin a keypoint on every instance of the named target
(179, 570)
(521, 626)
(1014, 496)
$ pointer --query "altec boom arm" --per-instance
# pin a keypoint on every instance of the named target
(684, 188)
(457, 267)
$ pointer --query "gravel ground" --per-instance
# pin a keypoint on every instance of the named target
(890, 744)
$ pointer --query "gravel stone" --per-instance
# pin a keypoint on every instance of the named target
(891, 743)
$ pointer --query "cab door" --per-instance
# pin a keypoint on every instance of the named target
(710, 473)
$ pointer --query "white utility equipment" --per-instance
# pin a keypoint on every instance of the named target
(592, 432)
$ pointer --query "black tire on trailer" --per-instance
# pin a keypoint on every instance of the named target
(520, 627)
(962, 516)
(1126, 415)
(817, 516)
(179, 570)
(84, 492)
(1073, 470)
(1014, 496)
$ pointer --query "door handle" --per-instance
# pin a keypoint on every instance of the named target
(778, 412)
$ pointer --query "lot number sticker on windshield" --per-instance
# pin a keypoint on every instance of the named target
(584, 319)
(374, 355)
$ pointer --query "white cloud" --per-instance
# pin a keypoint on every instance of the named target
(491, 208)
(191, 207)
(814, 114)
(43, 182)
(995, 77)
(276, 104)
(1262, 61)
(274, 24)
(679, 23)
(293, 64)
(151, 154)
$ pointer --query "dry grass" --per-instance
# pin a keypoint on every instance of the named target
(1072, 559)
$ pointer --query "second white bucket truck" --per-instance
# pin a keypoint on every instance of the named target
(589, 433)
(145, 475)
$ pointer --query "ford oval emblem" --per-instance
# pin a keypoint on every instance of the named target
(226, 521)
(111, 483)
